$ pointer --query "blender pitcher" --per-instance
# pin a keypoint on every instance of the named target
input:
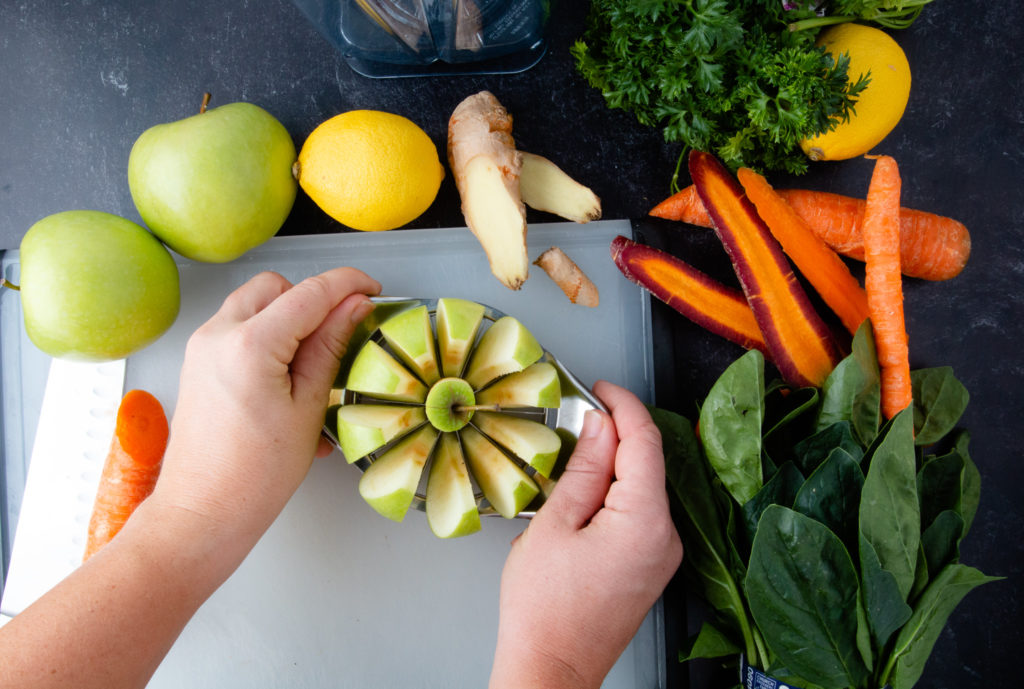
(392, 38)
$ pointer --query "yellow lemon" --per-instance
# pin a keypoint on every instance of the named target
(879, 106)
(370, 170)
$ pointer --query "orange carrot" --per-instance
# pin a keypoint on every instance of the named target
(819, 264)
(932, 247)
(131, 467)
(885, 284)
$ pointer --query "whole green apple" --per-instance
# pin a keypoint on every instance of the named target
(95, 287)
(214, 185)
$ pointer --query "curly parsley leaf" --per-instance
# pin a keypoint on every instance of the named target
(725, 77)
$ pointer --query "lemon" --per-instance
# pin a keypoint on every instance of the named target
(879, 106)
(370, 170)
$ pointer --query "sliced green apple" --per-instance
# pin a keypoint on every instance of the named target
(363, 428)
(376, 373)
(536, 386)
(458, 322)
(451, 505)
(443, 404)
(506, 347)
(410, 337)
(505, 485)
(529, 440)
(389, 484)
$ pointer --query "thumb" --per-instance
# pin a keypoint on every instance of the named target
(581, 490)
(316, 361)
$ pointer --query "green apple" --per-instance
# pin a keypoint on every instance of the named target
(458, 322)
(389, 484)
(506, 347)
(214, 185)
(377, 374)
(505, 485)
(536, 386)
(451, 506)
(529, 440)
(444, 402)
(363, 428)
(410, 337)
(95, 287)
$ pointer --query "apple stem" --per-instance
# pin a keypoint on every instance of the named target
(476, 407)
(4, 282)
(206, 102)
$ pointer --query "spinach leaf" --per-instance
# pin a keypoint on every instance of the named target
(883, 602)
(781, 489)
(917, 637)
(789, 417)
(709, 642)
(730, 426)
(939, 402)
(803, 591)
(970, 482)
(866, 412)
(940, 540)
(813, 450)
(838, 393)
(831, 495)
(890, 516)
(708, 558)
(939, 486)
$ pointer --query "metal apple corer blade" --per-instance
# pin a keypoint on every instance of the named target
(566, 420)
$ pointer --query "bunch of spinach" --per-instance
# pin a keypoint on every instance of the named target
(723, 76)
(825, 541)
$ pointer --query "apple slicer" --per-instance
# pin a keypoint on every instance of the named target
(566, 420)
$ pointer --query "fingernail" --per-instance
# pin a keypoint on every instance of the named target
(362, 310)
(593, 422)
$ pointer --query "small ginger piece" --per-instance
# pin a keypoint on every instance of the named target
(567, 275)
(486, 166)
(546, 187)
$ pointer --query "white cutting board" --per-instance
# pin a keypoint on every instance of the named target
(335, 595)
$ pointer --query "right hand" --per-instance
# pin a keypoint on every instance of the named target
(582, 577)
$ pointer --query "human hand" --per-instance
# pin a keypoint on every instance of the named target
(251, 402)
(580, 579)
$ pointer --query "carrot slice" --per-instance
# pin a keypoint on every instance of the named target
(885, 284)
(131, 468)
(800, 343)
(708, 303)
(819, 264)
(932, 247)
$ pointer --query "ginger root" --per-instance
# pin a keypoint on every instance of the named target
(568, 276)
(546, 187)
(486, 166)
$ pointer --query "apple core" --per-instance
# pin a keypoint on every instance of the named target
(445, 403)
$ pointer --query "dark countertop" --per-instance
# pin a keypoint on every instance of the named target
(80, 81)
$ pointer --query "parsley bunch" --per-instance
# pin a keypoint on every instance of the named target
(723, 76)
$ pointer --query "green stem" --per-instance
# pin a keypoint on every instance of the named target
(818, 22)
(764, 660)
(4, 282)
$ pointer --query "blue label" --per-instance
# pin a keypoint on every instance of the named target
(752, 678)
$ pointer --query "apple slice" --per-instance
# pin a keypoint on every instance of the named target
(444, 401)
(376, 373)
(389, 484)
(529, 440)
(506, 486)
(363, 428)
(410, 337)
(506, 347)
(451, 506)
(458, 322)
(536, 386)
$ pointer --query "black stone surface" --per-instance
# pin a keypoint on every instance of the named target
(80, 81)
